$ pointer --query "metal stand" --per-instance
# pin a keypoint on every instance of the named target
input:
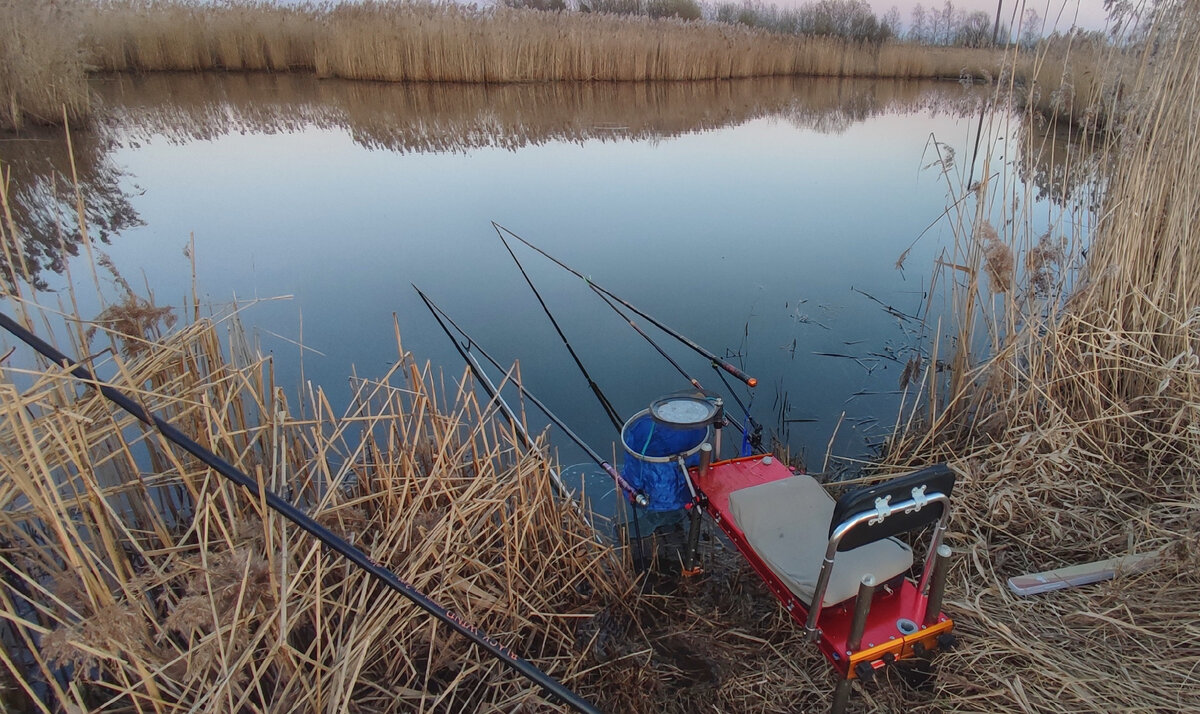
(691, 561)
(841, 697)
(937, 585)
(862, 606)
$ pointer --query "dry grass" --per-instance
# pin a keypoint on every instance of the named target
(414, 41)
(1076, 440)
(1078, 79)
(170, 590)
(183, 35)
(42, 71)
(1076, 437)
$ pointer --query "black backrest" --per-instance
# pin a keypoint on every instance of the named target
(936, 479)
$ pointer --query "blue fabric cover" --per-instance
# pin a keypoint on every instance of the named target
(663, 483)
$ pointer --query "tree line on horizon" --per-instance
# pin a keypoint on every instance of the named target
(853, 20)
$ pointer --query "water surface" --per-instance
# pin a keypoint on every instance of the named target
(763, 218)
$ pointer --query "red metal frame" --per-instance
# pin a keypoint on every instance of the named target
(892, 601)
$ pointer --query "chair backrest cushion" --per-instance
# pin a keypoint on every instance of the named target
(935, 479)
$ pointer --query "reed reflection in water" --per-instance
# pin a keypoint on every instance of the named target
(742, 212)
(439, 117)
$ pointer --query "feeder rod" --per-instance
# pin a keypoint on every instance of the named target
(635, 495)
(609, 410)
(305, 522)
(750, 381)
(637, 328)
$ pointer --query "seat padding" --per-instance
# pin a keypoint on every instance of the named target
(787, 524)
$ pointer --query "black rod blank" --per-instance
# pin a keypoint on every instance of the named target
(306, 523)
(609, 410)
(717, 361)
(636, 496)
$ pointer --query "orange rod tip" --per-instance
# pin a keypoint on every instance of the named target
(752, 382)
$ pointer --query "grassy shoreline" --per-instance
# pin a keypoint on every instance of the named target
(419, 42)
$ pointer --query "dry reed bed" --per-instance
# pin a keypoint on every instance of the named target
(451, 43)
(248, 35)
(52, 46)
(42, 65)
(170, 590)
(413, 42)
(1078, 438)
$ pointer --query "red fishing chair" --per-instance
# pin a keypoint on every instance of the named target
(837, 566)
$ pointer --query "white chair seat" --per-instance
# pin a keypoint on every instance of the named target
(787, 524)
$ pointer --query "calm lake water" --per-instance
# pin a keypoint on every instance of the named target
(762, 218)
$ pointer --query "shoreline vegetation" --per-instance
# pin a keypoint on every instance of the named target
(145, 582)
(50, 48)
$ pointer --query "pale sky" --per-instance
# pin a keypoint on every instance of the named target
(1088, 14)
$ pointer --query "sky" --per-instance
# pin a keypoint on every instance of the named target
(1088, 14)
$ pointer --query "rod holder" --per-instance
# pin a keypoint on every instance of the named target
(937, 585)
(706, 453)
(862, 606)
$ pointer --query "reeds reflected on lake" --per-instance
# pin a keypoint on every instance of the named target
(447, 117)
(417, 118)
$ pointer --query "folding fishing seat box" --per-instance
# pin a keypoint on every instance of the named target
(837, 566)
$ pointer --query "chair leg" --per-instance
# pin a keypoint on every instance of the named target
(841, 697)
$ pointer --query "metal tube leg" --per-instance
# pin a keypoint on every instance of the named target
(862, 606)
(706, 455)
(841, 697)
(691, 561)
(937, 585)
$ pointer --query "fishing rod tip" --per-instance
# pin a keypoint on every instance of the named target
(752, 382)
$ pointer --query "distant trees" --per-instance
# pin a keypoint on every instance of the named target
(848, 19)
(681, 9)
(973, 30)
(544, 5)
(949, 25)
(1030, 29)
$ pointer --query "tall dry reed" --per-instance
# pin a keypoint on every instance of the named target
(166, 589)
(187, 35)
(418, 42)
(446, 42)
(1075, 432)
(42, 64)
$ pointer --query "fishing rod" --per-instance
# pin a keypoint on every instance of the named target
(305, 522)
(717, 361)
(636, 496)
(753, 425)
(613, 416)
(637, 328)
